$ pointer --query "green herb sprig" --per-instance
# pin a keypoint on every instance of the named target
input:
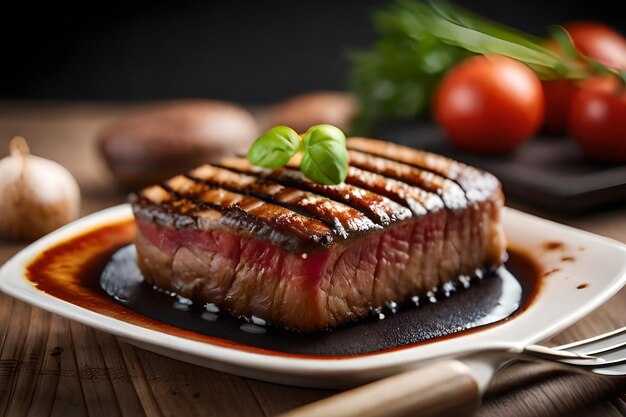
(323, 147)
(419, 41)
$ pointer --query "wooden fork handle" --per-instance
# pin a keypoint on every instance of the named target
(445, 388)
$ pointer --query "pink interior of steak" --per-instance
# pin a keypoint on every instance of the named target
(275, 245)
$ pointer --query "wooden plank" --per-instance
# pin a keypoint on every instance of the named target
(61, 367)
(559, 395)
(96, 387)
(184, 389)
(12, 352)
(31, 361)
(139, 380)
(605, 409)
(117, 372)
(277, 399)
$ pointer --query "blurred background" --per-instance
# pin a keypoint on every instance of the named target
(72, 70)
(253, 52)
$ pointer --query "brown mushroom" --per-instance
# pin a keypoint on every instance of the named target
(160, 141)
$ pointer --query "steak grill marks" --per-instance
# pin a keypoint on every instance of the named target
(417, 199)
(342, 219)
(378, 208)
(386, 183)
(477, 185)
(248, 213)
(450, 193)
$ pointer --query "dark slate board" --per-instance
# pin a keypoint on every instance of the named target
(548, 173)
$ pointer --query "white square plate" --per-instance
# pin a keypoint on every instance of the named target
(598, 262)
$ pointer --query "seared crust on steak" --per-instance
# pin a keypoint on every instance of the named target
(274, 244)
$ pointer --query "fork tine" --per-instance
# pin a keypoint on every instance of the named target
(608, 348)
(542, 352)
(594, 365)
(598, 345)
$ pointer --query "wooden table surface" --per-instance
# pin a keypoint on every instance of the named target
(50, 366)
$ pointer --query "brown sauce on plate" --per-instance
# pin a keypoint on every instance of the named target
(97, 271)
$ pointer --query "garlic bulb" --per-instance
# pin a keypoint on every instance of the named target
(36, 195)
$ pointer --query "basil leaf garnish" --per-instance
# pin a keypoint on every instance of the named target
(324, 157)
(324, 154)
(274, 148)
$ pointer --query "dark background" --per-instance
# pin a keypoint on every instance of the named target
(247, 51)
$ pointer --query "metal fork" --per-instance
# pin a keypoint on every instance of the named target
(455, 386)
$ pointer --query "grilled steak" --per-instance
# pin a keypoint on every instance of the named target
(273, 244)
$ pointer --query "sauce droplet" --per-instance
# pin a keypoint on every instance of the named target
(208, 316)
(568, 259)
(211, 308)
(581, 286)
(465, 280)
(393, 306)
(252, 328)
(431, 297)
(180, 306)
(415, 300)
(448, 288)
(258, 321)
(554, 245)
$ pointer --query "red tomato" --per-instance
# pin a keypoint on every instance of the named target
(559, 94)
(598, 120)
(599, 42)
(489, 104)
